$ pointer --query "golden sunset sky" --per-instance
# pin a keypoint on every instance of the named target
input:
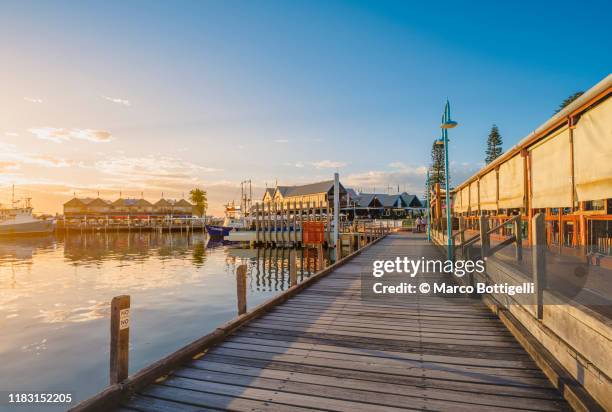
(152, 97)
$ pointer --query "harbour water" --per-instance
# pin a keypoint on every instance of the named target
(55, 297)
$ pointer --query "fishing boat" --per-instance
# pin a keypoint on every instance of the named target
(16, 220)
(234, 220)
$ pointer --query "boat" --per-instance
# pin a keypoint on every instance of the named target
(16, 221)
(234, 220)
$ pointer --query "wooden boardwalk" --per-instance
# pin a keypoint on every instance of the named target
(326, 349)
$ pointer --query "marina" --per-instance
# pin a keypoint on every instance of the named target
(56, 289)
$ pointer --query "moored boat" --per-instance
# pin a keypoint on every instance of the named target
(17, 221)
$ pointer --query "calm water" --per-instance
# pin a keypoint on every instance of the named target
(55, 296)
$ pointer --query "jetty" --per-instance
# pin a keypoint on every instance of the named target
(320, 346)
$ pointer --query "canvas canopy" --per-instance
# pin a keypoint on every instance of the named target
(511, 183)
(550, 177)
(474, 196)
(593, 153)
(488, 191)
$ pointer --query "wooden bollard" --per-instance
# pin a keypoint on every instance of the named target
(120, 338)
(319, 257)
(292, 269)
(241, 289)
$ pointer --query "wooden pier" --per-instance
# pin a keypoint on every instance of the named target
(320, 346)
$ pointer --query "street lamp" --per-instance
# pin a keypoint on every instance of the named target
(428, 207)
(447, 123)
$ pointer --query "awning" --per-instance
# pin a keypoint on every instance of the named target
(511, 183)
(550, 172)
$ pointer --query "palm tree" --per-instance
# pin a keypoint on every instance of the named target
(198, 198)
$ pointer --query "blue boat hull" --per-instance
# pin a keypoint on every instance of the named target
(218, 231)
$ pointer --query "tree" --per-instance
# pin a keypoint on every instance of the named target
(494, 145)
(198, 198)
(436, 170)
(568, 100)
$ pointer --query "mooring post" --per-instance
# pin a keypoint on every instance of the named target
(538, 251)
(518, 233)
(120, 338)
(241, 289)
(319, 257)
(292, 268)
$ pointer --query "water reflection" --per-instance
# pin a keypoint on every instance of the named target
(55, 293)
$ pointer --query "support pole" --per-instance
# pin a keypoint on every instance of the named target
(319, 257)
(518, 232)
(241, 289)
(120, 338)
(336, 206)
(484, 237)
(292, 268)
(538, 251)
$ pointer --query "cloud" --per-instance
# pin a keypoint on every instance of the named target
(117, 100)
(328, 164)
(8, 166)
(59, 135)
(12, 134)
(32, 99)
(281, 141)
(157, 171)
(10, 155)
(321, 164)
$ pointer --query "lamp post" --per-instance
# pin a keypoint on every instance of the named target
(428, 207)
(447, 123)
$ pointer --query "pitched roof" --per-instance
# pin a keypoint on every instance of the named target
(352, 194)
(368, 200)
(269, 191)
(309, 189)
(162, 202)
(412, 200)
(183, 202)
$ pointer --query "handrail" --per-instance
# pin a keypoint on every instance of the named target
(496, 228)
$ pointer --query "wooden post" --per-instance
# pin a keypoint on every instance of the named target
(538, 250)
(294, 221)
(241, 289)
(484, 237)
(275, 223)
(292, 269)
(256, 222)
(518, 251)
(301, 220)
(120, 338)
(319, 257)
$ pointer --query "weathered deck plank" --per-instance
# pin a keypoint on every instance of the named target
(326, 349)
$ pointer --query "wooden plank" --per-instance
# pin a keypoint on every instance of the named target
(292, 399)
(375, 389)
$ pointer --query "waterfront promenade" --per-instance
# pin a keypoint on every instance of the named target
(327, 349)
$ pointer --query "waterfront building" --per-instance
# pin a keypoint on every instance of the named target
(382, 205)
(319, 193)
(562, 169)
(142, 208)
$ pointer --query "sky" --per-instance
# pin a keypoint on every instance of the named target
(144, 98)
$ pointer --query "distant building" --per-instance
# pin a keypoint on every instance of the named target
(313, 193)
(97, 207)
(377, 205)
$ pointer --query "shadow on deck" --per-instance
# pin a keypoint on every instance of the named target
(327, 349)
